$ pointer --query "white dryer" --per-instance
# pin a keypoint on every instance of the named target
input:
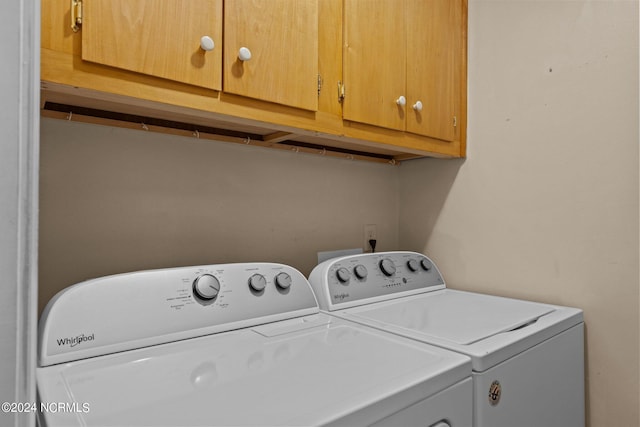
(528, 358)
(232, 345)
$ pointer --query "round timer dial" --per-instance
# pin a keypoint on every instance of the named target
(388, 267)
(206, 287)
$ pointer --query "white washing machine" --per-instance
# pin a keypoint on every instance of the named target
(233, 345)
(528, 358)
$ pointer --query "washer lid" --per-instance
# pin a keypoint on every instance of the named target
(306, 371)
(461, 318)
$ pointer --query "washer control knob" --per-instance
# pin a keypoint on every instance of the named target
(206, 287)
(360, 271)
(413, 265)
(283, 280)
(388, 267)
(426, 265)
(257, 282)
(343, 275)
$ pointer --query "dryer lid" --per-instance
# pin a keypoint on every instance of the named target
(461, 318)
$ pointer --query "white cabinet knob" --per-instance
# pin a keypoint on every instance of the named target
(206, 43)
(401, 101)
(244, 54)
(417, 106)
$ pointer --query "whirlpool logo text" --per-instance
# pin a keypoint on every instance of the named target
(340, 297)
(74, 341)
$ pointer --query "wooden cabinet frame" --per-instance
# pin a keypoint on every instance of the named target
(71, 83)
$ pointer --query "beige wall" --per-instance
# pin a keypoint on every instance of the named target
(545, 207)
(115, 200)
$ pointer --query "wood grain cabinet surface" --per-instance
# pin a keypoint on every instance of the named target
(319, 76)
(401, 65)
(282, 37)
(156, 37)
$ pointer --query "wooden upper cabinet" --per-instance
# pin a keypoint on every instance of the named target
(374, 62)
(161, 38)
(145, 58)
(409, 49)
(282, 38)
(434, 31)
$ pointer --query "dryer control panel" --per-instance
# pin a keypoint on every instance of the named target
(365, 278)
(133, 310)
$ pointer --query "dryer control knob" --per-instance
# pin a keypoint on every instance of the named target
(257, 282)
(206, 287)
(413, 265)
(343, 275)
(426, 265)
(388, 267)
(283, 280)
(360, 271)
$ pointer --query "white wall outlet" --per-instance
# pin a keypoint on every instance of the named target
(370, 232)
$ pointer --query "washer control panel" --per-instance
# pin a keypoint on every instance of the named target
(133, 310)
(359, 279)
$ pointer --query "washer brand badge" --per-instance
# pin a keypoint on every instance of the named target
(495, 391)
(74, 341)
(340, 297)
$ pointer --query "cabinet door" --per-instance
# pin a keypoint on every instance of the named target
(434, 34)
(374, 62)
(282, 37)
(156, 37)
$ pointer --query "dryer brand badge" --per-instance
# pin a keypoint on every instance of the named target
(74, 341)
(495, 391)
